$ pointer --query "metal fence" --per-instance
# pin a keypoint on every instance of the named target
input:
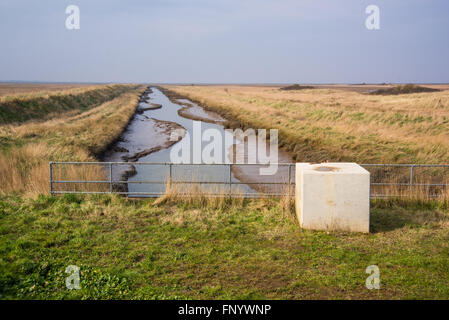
(226, 179)
(158, 174)
(420, 180)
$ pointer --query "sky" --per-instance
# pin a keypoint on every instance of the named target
(225, 41)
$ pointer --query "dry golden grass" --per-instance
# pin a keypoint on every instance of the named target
(29, 90)
(45, 105)
(24, 160)
(192, 194)
(421, 191)
(91, 172)
(338, 125)
(287, 201)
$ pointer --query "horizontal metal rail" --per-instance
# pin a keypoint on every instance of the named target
(171, 163)
(239, 164)
(173, 182)
(229, 181)
(158, 194)
(404, 165)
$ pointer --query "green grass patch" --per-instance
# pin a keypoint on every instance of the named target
(138, 250)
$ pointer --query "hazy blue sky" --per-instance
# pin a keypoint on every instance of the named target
(240, 41)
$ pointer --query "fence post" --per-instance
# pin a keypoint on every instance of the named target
(51, 178)
(289, 177)
(411, 178)
(230, 180)
(110, 177)
(169, 182)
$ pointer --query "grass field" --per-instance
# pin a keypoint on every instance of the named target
(338, 125)
(136, 249)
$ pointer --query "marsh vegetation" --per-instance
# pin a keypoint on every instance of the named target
(337, 125)
(196, 246)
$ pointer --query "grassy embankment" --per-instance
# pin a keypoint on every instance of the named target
(337, 125)
(80, 124)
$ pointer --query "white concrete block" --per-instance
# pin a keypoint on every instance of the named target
(332, 196)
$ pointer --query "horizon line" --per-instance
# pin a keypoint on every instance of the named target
(220, 83)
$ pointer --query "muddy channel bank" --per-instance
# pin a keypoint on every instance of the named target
(148, 138)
